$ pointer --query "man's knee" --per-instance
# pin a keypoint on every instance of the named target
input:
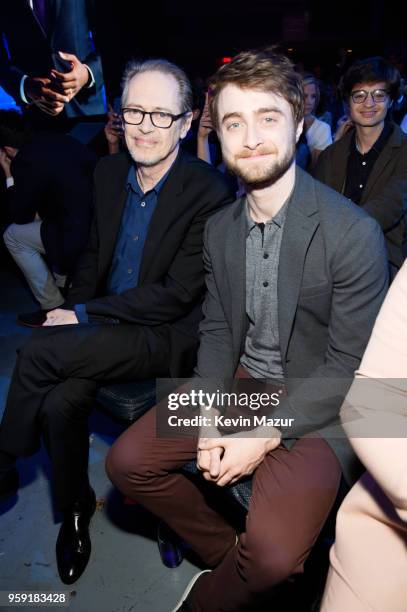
(269, 565)
(124, 464)
(10, 237)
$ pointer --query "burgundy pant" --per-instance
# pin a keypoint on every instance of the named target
(293, 492)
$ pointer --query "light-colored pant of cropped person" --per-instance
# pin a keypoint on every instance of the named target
(25, 246)
(369, 558)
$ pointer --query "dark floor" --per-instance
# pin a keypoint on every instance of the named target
(125, 571)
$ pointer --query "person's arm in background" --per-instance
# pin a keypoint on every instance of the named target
(374, 414)
(204, 129)
(113, 131)
(28, 90)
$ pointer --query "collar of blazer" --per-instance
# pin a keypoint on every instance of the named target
(169, 204)
(396, 140)
(300, 225)
(339, 160)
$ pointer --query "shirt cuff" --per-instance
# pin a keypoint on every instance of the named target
(81, 314)
(9, 181)
(92, 78)
(22, 91)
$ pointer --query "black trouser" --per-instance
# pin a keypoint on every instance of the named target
(53, 389)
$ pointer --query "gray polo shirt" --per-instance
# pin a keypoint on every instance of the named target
(261, 356)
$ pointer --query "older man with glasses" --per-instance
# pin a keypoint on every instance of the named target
(368, 164)
(135, 303)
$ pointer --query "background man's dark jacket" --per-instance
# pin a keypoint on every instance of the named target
(33, 53)
(53, 176)
(171, 281)
(385, 194)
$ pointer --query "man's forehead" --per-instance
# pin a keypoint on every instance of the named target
(153, 86)
(237, 99)
(369, 85)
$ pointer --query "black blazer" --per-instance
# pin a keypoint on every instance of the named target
(33, 53)
(53, 177)
(385, 194)
(171, 280)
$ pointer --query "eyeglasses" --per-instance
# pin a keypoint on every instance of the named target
(378, 95)
(135, 116)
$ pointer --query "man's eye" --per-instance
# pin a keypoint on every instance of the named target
(233, 125)
(162, 115)
(268, 119)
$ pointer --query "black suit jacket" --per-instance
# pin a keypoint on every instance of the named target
(33, 53)
(53, 177)
(171, 281)
(385, 194)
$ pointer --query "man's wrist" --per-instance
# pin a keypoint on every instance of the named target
(23, 93)
(91, 79)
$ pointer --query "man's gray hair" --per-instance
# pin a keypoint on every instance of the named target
(135, 67)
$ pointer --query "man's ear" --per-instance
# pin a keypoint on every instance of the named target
(186, 124)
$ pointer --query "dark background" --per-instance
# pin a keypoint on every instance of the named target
(198, 35)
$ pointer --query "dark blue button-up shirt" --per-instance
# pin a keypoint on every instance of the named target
(137, 214)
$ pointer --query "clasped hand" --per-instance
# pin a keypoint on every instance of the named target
(225, 460)
(52, 92)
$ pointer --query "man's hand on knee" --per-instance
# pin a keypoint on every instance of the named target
(59, 316)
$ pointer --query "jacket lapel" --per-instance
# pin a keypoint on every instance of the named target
(115, 192)
(301, 222)
(380, 164)
(235, 270)
(169, 201)
(340, 154)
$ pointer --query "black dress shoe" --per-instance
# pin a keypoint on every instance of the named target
(73, 544)
(33, 319)
(9, 482)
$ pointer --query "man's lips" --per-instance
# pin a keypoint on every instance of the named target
(144, 142)
(256, 155)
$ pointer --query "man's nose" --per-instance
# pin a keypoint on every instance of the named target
(253, 136)
(369, 100)
(146, 125)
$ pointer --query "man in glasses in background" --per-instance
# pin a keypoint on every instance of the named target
(134, 306)
(369, 163)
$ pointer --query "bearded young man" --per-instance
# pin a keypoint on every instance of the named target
(295, 279)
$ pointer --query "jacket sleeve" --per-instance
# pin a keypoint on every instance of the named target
(86, 276)
(181, 287)
(389, 206)
(24, 198)
(215, 354)
(360, 281)
(10, 75)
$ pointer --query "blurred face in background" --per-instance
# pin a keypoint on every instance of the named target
(373, 110)
(310, 98)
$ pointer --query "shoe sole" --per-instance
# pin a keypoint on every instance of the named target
(32, 325)
(189, 589)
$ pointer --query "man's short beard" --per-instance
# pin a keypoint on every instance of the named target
(268, 176)
(149, 163)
